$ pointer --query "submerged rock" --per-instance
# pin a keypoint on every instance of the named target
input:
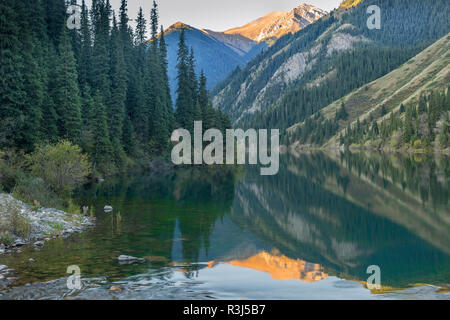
(19, 242)
(115, 289)
(39, 243)
(129, 259)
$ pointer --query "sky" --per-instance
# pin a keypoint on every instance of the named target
(217, 15)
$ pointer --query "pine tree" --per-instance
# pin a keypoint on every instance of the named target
(192, 76)
(128, 138)
(102, 149)
(118, 93)
(408, 127)
(85, 63)
(66, 92)
(55, 19)
(140, 114)
(100, 58)
(12, 91)
(165, 81)
(206, 108)
(185, 102)
(443, 136)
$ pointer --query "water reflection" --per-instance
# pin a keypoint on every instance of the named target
(321, 219)
(348, 212)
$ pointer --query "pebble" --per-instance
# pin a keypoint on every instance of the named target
(19, 243)
(39, 243)
(115, 289)
(2, 277)
(12, 279)
(31, 260)
(3, 267)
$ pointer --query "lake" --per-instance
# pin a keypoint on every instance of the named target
(309, 232)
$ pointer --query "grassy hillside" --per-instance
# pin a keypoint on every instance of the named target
(427, 72)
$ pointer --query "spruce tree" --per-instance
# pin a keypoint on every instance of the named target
(185, 102)
(85, 63)
(66, 93)
(165, 81)
(102, 149)
(12, 92)
(100, 58)
(118, 93)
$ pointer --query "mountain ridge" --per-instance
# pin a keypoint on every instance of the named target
(219, 53)
(305, 72)
(279, 23)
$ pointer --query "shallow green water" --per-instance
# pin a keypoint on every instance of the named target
(309, 232)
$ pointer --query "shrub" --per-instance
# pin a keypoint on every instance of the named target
(11, 169)
(63, 166)
(36, 191)
(12, 222)
(417, 144)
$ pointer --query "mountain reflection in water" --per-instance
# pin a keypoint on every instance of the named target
(220, 232)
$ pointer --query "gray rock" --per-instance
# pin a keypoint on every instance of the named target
(3, 267)
(19, 242)
(129, 259)
(39, 243)
(42, 221)
(31, 260)
(108, 208)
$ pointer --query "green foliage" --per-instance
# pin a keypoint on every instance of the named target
(63, 166)
(12, 222)
(415, 124)
(99, 87)
(193, 102)
(405, 32)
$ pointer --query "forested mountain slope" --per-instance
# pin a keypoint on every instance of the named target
(303, 73)
(215, 55)
(219, 53)
(377, 113)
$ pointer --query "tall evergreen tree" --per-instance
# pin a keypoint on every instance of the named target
(118, 93)
(85, 63)
(11, 90)
(185, 102)
(66, 92)
(165, 80)
(102, 149)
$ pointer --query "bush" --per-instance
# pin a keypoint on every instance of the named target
(63, 166)
(12, 222)
(11, 169)
(417, 144)
(36, 191)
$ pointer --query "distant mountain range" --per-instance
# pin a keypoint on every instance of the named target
(219, 53)
(279, 23)
(302, 73)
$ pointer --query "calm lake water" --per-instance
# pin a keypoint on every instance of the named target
(308, 233)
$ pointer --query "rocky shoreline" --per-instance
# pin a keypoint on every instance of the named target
(21, 225)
